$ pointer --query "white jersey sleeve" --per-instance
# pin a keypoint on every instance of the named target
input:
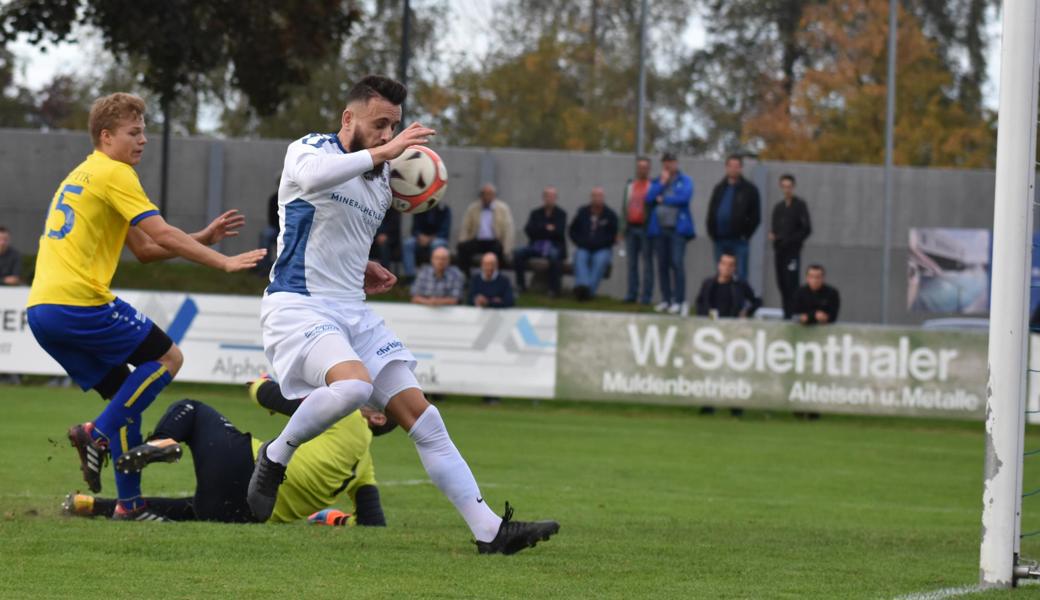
(313, 170)
(330, 204)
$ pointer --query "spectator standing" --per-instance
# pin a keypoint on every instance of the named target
(816, 303)
(636, 214)
(789, 229)
(439, 283)
(487, 226)
(545, 232)
(594, 231)
(671, 226)
(724, 295)
(10, 260)
(387, 243)
(734, 214)
(430, 230)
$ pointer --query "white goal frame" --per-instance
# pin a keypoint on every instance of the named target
(1009, 318)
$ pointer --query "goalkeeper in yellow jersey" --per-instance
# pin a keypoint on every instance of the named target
(336, 462)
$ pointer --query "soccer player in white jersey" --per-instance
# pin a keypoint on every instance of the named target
(320, 337)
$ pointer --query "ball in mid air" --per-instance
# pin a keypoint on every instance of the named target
(418, 180)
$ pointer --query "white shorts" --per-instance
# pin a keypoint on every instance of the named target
(293, 323)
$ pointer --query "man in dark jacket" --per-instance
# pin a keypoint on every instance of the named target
(816, 303)
(491, 289)
(593, 231)
(724, 296)
(790, 228)
(734, 213)
(387, 244)
(545, 231)
(430, 230)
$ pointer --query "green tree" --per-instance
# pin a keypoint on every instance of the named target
(264, 47)
(17, 105)
(374, 47)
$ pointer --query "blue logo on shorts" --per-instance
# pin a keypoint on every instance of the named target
(393, 346)
(324, 327)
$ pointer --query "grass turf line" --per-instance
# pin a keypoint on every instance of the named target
(660, 504)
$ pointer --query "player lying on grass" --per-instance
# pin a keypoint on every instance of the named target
(336, 462)
(98, 208)
(321, 338)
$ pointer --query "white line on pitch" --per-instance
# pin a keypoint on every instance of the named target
(943, 593)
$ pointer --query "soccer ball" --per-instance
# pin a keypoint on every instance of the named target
(418, 180)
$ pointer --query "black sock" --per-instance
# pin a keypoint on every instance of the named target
(369, 510)
(270, 397)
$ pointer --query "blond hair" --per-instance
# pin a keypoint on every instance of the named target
(108, 112)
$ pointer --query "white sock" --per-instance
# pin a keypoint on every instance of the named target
(450, 473)
(317, 413)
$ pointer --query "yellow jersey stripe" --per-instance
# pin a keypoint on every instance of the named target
(144, 384)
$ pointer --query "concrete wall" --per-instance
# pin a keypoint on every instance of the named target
(845, 201)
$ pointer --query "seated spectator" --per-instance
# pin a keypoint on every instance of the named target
(487, 226)
(724, 296)
(10, 260)
(439, 283)
(594, 231)
(545, 232)
(387, 243)
(816, 303)
(491, 289)
(430, 230)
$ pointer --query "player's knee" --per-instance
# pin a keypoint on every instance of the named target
(350, 395)
(172, 360)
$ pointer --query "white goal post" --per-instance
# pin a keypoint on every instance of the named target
(1009, 319)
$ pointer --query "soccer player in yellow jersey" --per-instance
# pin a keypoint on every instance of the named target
(335, 463)
(98, 209)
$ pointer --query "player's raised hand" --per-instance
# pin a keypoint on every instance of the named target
(224, 226)
(378, 279)
(246, 260)
(410, 136)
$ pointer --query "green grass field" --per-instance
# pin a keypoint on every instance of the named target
(654, 503)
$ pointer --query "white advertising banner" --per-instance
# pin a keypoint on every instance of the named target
(460, 349)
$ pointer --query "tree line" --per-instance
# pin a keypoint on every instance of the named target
(781, 79)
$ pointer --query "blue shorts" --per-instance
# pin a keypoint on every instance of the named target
(89, 341)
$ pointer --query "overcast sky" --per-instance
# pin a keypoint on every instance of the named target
(468, 19)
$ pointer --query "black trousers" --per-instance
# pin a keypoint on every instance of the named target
(223, 458)
(468, 249)
(788, 277)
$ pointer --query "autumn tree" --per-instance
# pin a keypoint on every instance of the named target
(757, 54)
(836, 110)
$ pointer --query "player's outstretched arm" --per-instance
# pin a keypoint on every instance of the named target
(224, 226)
(314, 171)
(178, 243)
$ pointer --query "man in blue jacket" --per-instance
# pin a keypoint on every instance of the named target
(594, 231)
(671, 226)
